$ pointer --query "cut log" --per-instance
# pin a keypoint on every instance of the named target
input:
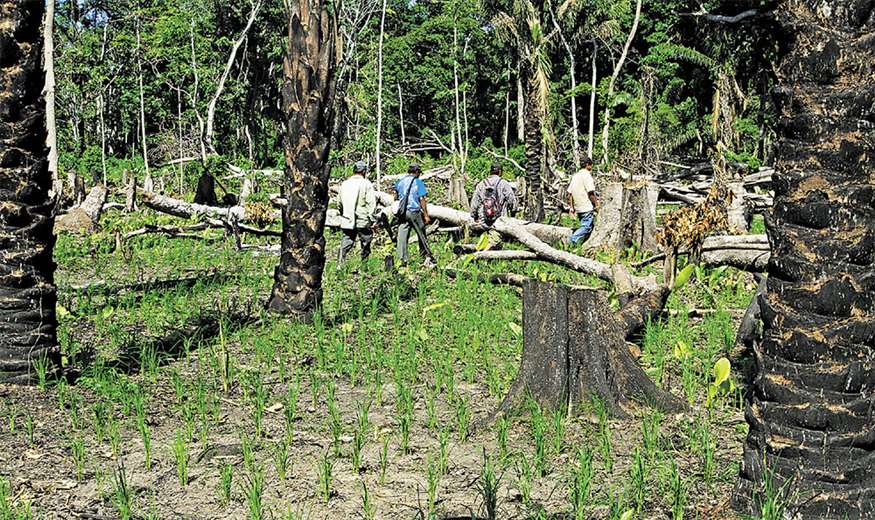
(86, 217)
(581, 264)
(574, 350)
(627, 217)
(179, 208)
(131, 196)
(516, 280)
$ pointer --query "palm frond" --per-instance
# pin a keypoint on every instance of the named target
(681, 53)
(505, 27)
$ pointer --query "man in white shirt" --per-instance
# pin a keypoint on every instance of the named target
(583, 201)
(358, 201)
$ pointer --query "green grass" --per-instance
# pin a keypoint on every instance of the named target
(396, 368)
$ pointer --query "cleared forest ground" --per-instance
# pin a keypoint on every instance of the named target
(369, 412)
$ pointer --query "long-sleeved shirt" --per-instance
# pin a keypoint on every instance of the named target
(358, 201)
(503, 192)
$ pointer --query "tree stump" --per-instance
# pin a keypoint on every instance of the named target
(627, 216)
(574, 349)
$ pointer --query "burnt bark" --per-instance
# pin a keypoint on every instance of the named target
(810, 409)
(574, 349)
(206, 190)
(27, 289)
(308, 101)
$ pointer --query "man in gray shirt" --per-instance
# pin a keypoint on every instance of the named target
(493, 198)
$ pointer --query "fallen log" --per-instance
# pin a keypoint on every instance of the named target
(581, 264)
(516, 280)
(105, 288)
(85, 217)
(180, 208)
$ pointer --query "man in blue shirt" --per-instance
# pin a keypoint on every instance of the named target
(412, 212)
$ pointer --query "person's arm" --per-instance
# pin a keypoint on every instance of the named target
(571, 204)
(510, 199)
(423, 203)
(594, 200)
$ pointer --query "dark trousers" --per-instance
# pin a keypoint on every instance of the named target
(413, 219)
(364, 235)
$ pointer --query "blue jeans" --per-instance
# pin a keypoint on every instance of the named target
(585, 229)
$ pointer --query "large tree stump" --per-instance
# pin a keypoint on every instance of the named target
(627, 217)
(574, 349)
(84, 218)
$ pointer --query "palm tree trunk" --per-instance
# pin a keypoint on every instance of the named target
(309, 70)
(534, 202)
(810, 411)
(27, 290)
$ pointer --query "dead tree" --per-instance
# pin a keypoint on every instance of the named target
(574, 349)
(627, 217)
(85, 217)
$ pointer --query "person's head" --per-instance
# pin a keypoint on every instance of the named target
(360, 168)
(414, 169)
(496, 168)
(586, 163)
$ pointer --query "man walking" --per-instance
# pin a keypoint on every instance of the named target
(493, 198)
(583, 201)
(412, 213)
(358, 201)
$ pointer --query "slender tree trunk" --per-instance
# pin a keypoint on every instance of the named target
(308, 91)
(142, 100)
(232, 57)
(506, 134)
(27, 289)
(613, 82)
(592, 97)
(401, 114)
(380, 93)
(520, 106)
(810, 410)
(194, 98)
(575, 133)
(179, 137)
(101, 102)
(49, 92)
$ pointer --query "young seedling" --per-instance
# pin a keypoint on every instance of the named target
(77, 451)
(501, 436)
(180, 454)
(404, 426)
(539, 436)
(281, 458)
(226, 476)
(581, 482)
(368, 508)
(433, 478)
(324, 469)
(558, 431)
(254, 490)
(638, 478)
(29, 428)
(677, 493)
(525, 476)
(384, 459)
(488, 485)
(122, 493)
(444, 453)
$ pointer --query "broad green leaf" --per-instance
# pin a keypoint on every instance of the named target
(684, 276)
(423, 335)
(628, 515)
(107, 312)
(721, 371)
(61, 311)
(483, 243)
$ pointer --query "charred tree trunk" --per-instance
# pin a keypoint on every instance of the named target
(575, 349)
(627, 217)
(308, 92)
(810, 410)
(206, 190)
(27, 289)
(534, 196)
